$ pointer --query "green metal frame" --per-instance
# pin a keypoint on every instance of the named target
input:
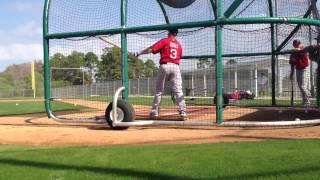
(46, 68)
(315, 13)
(273, 56)
(210, 23)
(240, 55)
(124, 50)
(219, 21)
(219, 65)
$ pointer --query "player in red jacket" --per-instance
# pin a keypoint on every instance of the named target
(169, 72)
(299, 63)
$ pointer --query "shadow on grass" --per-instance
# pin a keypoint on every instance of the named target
(155, 175)
(258, 137)
(99, 170)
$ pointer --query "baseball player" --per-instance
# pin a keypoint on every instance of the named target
(299, 63)
(169, 72)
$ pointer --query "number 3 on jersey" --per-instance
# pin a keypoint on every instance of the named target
(173, 53)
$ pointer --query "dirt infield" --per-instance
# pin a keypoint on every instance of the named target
(96, 109)
(37, 129)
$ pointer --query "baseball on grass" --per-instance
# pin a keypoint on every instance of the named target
(17, 104)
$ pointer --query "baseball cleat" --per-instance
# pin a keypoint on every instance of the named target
(183, 115)
(154, 114)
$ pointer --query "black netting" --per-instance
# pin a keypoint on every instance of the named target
(200, 10)
(249, 8)
(246, 38)
(292, 8)
(245, 69)
(81, 15)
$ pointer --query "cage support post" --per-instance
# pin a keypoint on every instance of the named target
(311, 66)
(219, 67)
(273, 56)
(316, 15)
(124, 50)
(46, 59)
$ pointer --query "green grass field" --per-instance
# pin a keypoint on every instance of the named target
(27, 107)
(225, 161)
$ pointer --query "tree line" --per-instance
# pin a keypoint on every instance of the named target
(17, 77)
(75, 68)
(89, 68)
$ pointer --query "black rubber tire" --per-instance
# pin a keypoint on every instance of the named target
(128, 114)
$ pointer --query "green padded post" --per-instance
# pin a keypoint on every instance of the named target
(46, 68)
(273, 57)
(219, 67)
(124, 50)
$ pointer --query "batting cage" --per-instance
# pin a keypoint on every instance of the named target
(228, 62)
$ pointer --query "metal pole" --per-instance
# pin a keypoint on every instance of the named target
(209, 23)
(148, 86)
(279, 79)
(256, 80)
(124, 50)
(192, 84)
(235, 79)
(219, 66)
(317, 16)
(46, 59)
(139, 85)
(205, 84)
(251, 79)
(83, 83)
(273, 56)
(311, 67)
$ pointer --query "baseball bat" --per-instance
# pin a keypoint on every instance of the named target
(108, 41)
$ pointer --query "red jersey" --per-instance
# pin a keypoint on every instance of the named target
(300, 61)
(170, 50)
